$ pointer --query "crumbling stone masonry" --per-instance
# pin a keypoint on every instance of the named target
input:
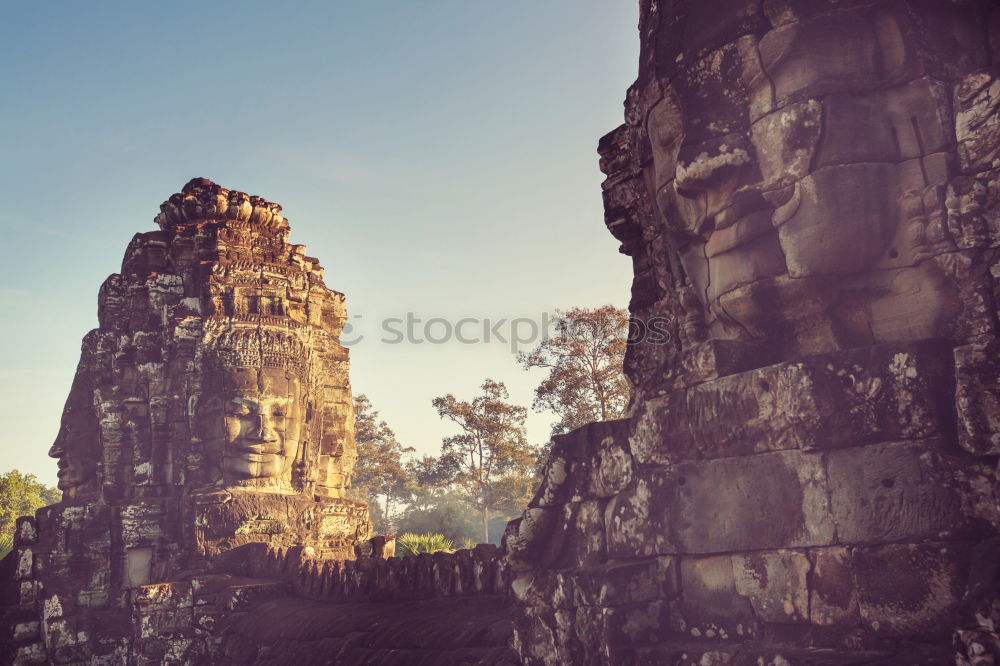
(809, 191)
(210, 410)
(807, 474)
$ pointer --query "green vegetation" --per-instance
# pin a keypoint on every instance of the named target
(489, 462)
(20, 495)
(486, 473)
(585, 362)
(412, 544)
(380, 475)
(443, 511)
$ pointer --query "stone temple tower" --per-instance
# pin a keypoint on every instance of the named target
(809, 191)
(210, 409)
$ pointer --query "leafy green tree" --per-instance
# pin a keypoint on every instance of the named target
(490, 456)
(380, 472)
(20, 495)
(586, 381)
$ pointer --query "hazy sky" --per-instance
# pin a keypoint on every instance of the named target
(438, 157)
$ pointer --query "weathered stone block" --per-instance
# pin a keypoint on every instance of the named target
(977, 128)
(775, 500)
(591, 461)
(641, 623)
(584, 544)
(977, 400)
(613, 466)
(553, 488)
(31, 654)
(786, 141)
(162, 596)
(543, 636)
(23, 631)
(625, 582)
(25, 531)
(844, 115)
(775, 583)
(547, 587)
(791, 56)
(911, 590)
(907, 491)
(743, 254)
(638, 520)
(27, 592)
(772, 500)
(660, 433)
(138, 566)
(833, 597)
(751, 412)
(825, 401)
(23, 563)
(711, 607)
(849, 198)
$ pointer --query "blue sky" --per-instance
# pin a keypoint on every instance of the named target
(439, 158)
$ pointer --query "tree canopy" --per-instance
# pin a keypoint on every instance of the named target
(20, 495)
(584, 359)
(380, 472)
(489, 461)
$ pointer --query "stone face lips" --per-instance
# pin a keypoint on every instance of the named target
(211, 409)
(807, 474)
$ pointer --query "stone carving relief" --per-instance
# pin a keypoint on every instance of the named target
(77, 444)
(808, 191)
(795, 166)
(211, 410)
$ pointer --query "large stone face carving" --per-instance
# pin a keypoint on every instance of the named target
(807, 474)
(794, 170)
(77, 444)
(257, 419)
(211, 409)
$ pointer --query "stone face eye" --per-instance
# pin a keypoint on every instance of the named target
(233, 428)
(238, 410)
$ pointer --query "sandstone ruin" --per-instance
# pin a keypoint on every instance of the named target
(210, 409)
(204, 453)
(808, 190)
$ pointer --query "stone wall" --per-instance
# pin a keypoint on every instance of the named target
(808, 191)
(189, 620)
(192, 621)
(732, 519)
(21, 637)
(468, 572)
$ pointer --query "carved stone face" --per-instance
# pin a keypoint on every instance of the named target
(801, 174)
(76, 445)
(257, 424)
(263, 435)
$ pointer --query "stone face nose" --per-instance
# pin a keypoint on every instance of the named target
(261, 428)
(57, 450)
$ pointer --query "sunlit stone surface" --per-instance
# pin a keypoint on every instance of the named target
(210, 410)
(808, 190)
